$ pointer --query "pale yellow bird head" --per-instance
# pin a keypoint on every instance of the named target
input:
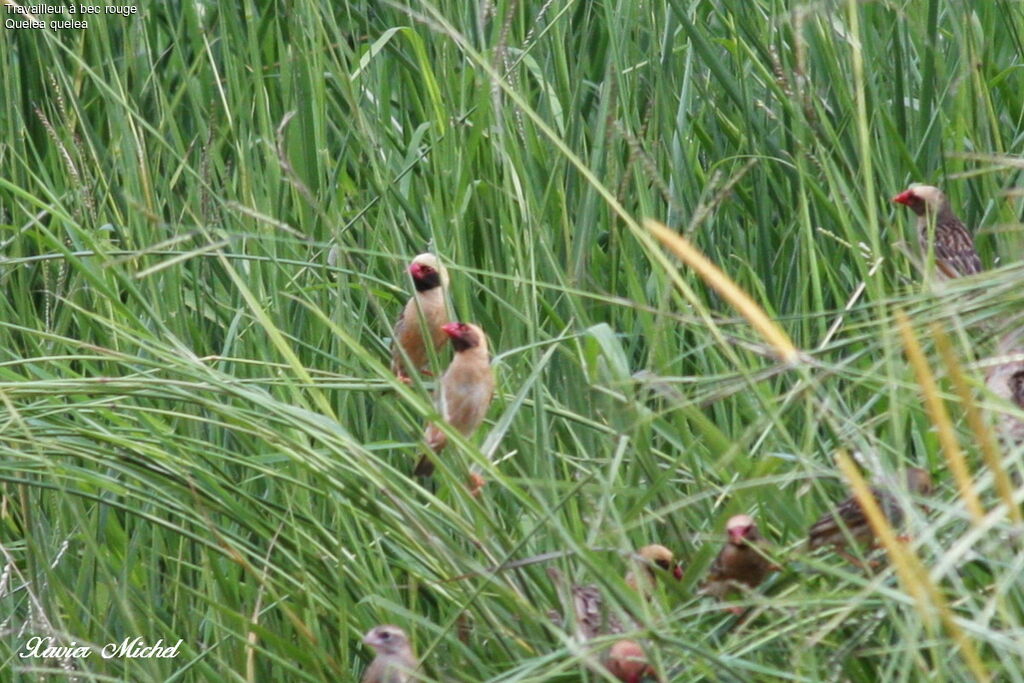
(661, 557)
(739, 528)
(921, 199)
(387, 639)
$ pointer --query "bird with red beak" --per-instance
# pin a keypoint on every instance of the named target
(939, 230)
(741, 564)
(650, 558)
(464, 392)
(419, 326)
(592, 614)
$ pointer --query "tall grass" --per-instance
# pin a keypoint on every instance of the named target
(205, 212)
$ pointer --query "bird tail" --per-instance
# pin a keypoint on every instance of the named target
(425, 467)
(436, 440)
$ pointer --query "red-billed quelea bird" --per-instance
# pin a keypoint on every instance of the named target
(395, 662)
(465, 389)
(592, 617)
(427, 311)
(955, 255)
(848, 521)
(741, 563)
(644, 577)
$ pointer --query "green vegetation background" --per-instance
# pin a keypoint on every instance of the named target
(205, 213)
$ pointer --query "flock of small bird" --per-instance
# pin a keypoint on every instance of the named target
(464, 394)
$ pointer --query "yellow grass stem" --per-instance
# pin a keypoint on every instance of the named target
(940, 418)
(986, 442)
(911, 571)
(717, 279)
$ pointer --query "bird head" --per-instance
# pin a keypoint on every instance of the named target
(465, 336)
(386, 639)
(661, 557)
(921, 199)
(627, 662)
(427, 273)
(740, 528)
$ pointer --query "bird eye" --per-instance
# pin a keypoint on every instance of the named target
(384, 635)
(662, 563)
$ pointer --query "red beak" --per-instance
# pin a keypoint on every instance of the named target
(677, 572)
(452, 330)
(415, 270)
(737, 535)
(904, 197)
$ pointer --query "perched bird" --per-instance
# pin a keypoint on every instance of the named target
(627, 662)
(395, 662)
(954, 247)
(651, 556)
(741, 562)
(1006, 381)
(847, 520)
(426, 311)
(592, 617)
(465, 390)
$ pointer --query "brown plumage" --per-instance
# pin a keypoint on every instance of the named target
(955, 255)
(395, 662)
(628, 663)
(588, 608)
(741, 562)
(1006, 381)
(427, 309)
(592, 616)
(847, 520)
(465, 389)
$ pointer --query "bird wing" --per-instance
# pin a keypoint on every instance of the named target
(408, 337)
(588, 608)
(849, 515)
(717, 583)
(828, 530)
(957, 263)
(954, 249)
(408, 332)
(465, 397)
(588, 604)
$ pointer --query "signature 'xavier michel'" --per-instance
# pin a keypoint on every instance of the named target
(129, 648)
